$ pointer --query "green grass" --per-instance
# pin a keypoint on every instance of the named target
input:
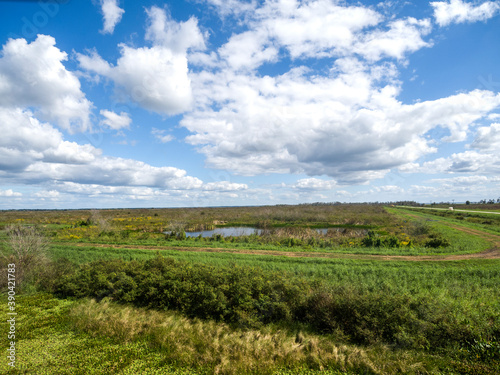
(391, 222)
(484, 222)
(82, 337)
(453, 278)
(71, 337)
(471, 288)
(47, 343)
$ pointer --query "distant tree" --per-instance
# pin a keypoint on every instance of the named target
(467, 202)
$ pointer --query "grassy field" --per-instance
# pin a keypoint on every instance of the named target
(414, 292)
(354, 229)
(484, 221)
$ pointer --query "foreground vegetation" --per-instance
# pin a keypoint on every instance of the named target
(132, 310)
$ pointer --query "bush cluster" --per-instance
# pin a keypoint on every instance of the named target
(245, 296)
(373, 240)
(435, 240)
(251, 297)
(293, 237)
(399, 320)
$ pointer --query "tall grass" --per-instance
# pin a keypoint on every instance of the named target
(85, 337)
(208, 345)
(250, 297)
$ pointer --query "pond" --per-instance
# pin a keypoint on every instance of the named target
(242, 231)
(226, 232)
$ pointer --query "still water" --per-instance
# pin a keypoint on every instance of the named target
(226, 232)
(242, 231)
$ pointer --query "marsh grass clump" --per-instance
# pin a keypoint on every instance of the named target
(100, 221)
(218, 347)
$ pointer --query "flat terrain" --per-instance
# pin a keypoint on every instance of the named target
(384, 290)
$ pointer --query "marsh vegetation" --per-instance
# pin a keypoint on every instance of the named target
(111, 284)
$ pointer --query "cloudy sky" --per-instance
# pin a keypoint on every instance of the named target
(120, 103)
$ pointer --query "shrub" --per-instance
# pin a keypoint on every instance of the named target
(418, 228)
(437, 242)
(487, 351)
(371, 240)
(52, 274)
(248, 297)
(27, 248)
(244, 296)
(368, 318)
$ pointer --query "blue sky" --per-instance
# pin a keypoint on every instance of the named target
(118, 103)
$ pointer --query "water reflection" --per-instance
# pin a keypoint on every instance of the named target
(226, 232)
(247, 231)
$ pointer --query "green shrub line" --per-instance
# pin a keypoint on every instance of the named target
(248, 297)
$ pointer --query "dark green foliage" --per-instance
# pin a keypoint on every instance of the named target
(437, 241)
(180, 235)
(486, 351)
(53, 272)
(249, 297)
(367, 318)
(373, 240)
(245, 296)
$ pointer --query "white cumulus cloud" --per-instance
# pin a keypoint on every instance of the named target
(33, 152)
(33, 75)
(236, 7)
(154, 77)
(160, 135)
(458, 11)
(344, 122)
(50, 194)
(177, 36)
(26, 140)
(487, 138)
(344, 125)
(114, 120)
(10, 193)
(314, 184)
(112, 14)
